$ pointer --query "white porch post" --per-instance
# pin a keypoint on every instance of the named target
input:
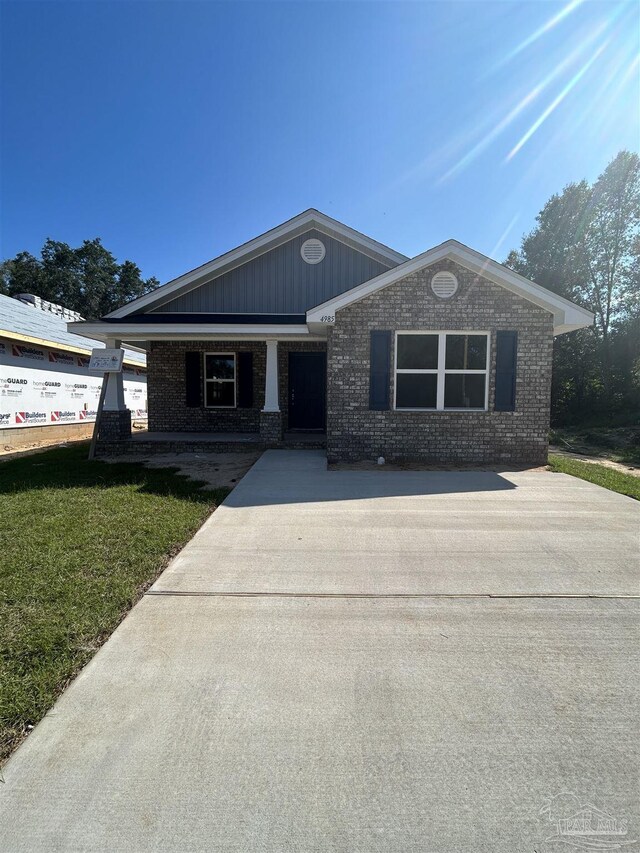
(114, 395)
(271, 400)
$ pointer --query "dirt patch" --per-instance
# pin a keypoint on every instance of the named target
(617, 444)
(218, 470)
(7, 454)
(623, 467)
(36, 439)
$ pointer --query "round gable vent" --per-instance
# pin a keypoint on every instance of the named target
(444, 284)
(313, 251)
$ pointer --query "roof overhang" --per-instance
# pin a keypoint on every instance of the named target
(566, 315)
(310, 219)
(191, 331)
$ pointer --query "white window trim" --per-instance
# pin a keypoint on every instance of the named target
(235, 376)
(441, 370)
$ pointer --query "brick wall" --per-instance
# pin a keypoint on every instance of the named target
(115, 426)
(166, 389)
(354, 432)
(166, 386)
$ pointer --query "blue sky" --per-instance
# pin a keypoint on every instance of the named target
(177, 130)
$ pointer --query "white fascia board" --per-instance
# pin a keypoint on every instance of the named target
(252, 249)
(566, 315)
(192, 331)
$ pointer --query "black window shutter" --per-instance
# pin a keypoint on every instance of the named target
(379, 369)
(506, 360)
(193, 379)
(245, 380)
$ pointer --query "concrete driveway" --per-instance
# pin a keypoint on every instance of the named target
(358, 661)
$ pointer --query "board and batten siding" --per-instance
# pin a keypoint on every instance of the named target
(280, 281)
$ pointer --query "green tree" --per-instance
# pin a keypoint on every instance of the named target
(610, 240)
(586, 247)
(87, 279)
(550, 254)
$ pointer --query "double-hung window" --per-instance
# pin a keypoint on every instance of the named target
(441, 370)
(220, 380)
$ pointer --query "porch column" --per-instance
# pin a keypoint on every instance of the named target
(115, 423)
(271, 401)
(114, 395)
(270, 417)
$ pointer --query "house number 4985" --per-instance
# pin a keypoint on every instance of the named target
(328, 318)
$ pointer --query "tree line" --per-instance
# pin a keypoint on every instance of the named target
(87, 279)
(586, 247)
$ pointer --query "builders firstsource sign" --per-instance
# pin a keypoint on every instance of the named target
(40, 386)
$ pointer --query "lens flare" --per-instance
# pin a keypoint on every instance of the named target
(550, 24)
(595, 59)
(556, 102)
(502, 125)
(499, 243)
(630, 72)
(501, 239)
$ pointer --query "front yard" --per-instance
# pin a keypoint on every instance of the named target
(79, 542)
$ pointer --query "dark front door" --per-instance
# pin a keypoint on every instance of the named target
(307, 390)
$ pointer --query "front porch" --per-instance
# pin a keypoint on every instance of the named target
(225, 395)
(142, 443)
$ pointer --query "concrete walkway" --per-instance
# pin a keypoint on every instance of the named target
(308, 676)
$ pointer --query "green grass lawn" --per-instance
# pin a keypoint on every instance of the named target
(79, 543)
(617, 481)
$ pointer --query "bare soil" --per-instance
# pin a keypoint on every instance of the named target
(7, 452)
(624, 467)
(217, 470)
(42, 442)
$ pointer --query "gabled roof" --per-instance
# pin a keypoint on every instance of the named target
(566, 315)
(259, 245)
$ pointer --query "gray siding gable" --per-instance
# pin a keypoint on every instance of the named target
(280, 281)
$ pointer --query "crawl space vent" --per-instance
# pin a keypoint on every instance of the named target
(312, 251)
(444, 284)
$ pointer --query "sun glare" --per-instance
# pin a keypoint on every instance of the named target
(608, 59)
(524, 102)
(555, 103)
(549, 25)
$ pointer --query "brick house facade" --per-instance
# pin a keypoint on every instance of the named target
(354, 432)
(314, 328)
